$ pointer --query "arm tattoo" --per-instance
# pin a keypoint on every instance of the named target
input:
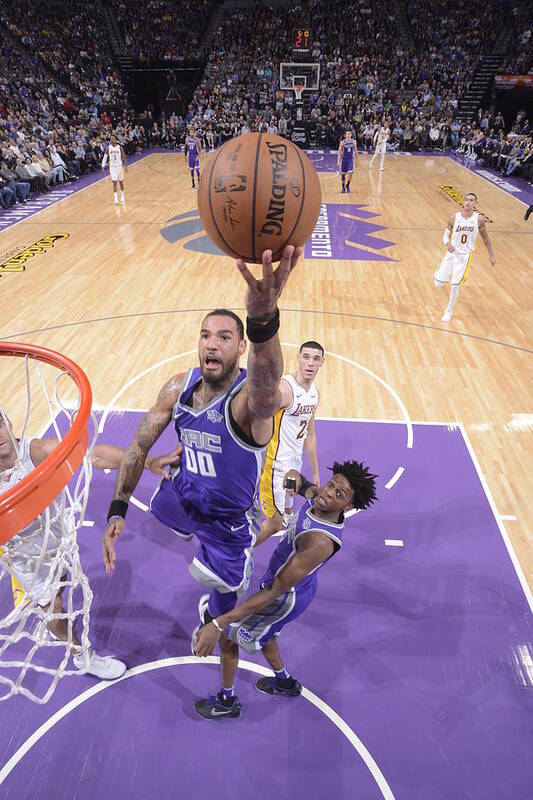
(132, 465)
(265, 367)
(150, 429)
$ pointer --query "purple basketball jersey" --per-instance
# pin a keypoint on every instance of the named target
(192, 152)
(218, 473)
(305, 522)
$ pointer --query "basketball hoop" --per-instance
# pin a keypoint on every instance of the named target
(298, 89)
(40, 515)
(25, 501)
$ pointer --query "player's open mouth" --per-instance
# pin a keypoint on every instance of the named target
(211, 363)
(322, 501)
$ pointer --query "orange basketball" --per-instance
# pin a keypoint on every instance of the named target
(258, 192)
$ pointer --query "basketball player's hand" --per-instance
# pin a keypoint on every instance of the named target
(112, 532)
(207, 640)
(158, 464)
(450, 248)
(293, 473)
(262, 295)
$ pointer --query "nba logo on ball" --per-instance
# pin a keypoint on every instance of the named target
(258, 192)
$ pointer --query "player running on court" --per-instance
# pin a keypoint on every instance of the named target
(288, 586)
(460, 240)
(345, 160)
(381, 137)
(294, 431)
(193, 148)
(117, 166)
(223, 417)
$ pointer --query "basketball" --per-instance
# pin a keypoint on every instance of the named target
(258, 192)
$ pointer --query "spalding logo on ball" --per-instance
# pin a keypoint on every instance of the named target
(258, 192)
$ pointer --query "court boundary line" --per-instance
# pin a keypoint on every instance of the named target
(491, 183)
(498, 517)
(150, 666)
(348, 314)
(75, 193)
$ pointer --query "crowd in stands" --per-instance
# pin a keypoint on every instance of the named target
(60, 95)
(520, 59)
(487, 143)
(163, 30)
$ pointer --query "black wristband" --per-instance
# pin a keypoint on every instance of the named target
(305, 486)
(262, 333)
(117, 508)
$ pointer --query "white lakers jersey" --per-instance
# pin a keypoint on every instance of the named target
(28, 542)
(465, 232)
(383, 136)
(290, 426)
(115, 155)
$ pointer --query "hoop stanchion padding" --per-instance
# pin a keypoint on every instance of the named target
(21, 504)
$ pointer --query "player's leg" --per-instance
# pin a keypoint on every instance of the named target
(383, 149)
(115, 194)
(343, 180)
(459, 275)
(269, 527)
(225, 703)
(191, 170)
(122, 200)
(272, 499)
(349, 176)
(282, 682)
(373, 157)
(198, 170)
(23, 582)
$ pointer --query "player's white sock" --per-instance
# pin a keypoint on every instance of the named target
(454, 294)
(122, 200)
(115, 195)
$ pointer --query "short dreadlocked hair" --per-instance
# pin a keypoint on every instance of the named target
(360, 479)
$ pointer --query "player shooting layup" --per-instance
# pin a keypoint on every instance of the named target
(117, 160)
(223, 416)
(460, 240)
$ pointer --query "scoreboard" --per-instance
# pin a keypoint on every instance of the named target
(301, 40)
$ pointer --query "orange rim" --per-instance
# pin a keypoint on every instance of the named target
(21, 504)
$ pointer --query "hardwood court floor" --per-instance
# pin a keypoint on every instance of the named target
(118, 297)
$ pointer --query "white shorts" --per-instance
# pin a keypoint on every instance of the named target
(381, 148)
(24, 584)
(454, 268)
(116, 173)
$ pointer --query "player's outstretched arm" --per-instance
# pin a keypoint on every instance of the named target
(151, 427)
(254, 407)
(486, 239)
(310, 450)
(314, 549)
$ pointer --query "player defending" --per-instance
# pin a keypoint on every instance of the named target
(381, 137)
(288, 586)
(117, 166)
(193, 148)
(345, 160)
(294, 431)
(17, 459)
(460, 240)
(224, 418)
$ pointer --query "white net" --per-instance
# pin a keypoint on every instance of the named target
(45, 598)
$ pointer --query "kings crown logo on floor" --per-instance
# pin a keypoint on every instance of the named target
(343, 231)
